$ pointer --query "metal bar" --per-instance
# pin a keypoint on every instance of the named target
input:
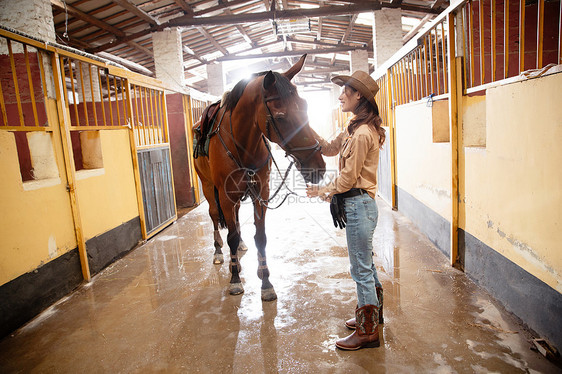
(481, 37)
(146, 124)
(116, 100)
(437, 62)
(101, 97)
(31, 90)
(141, 115)
(493, 39)
(161, 98)
(425, 64)
(444, 50)
(43, 79)
(3, 105)
(65, 91)
(15, 78)
(107, 83)
(60, 87)
(401, 98)
(408, 63)
(165, 125)
(158, 115)
(83, 93)
(411, 77)
(505, 39)
(74, 104)
(540, 32)
(150, 114)
(431, 69)
(415, 75)
(123, 102)
(521, 35)
(137, 124)
(92, 94)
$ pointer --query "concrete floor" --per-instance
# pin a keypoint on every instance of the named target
(165, 308)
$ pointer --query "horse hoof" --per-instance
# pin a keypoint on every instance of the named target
(236, 289)
(218, 259)
(268, 294)
(242, 246)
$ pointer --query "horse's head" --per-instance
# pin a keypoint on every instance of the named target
(287, 122)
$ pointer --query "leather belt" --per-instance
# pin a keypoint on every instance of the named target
(353, 192)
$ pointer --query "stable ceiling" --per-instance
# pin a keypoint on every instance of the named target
(246, 35)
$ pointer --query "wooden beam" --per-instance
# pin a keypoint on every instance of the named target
(289, 53)
(349, 28)
(189, 21)
(137, 11)
(185, 6)
(100, 24)
(213, 41)
(87, 18)
(334, 10)
(242, 31)
(416, 28)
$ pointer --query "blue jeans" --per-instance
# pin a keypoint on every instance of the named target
(362, 216)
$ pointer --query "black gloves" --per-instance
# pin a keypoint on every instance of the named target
(338, 211)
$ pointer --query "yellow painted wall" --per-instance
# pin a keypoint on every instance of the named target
(36, 225)
(422, 166)
(513, 186)
(107, 197)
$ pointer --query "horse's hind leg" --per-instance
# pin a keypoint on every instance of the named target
(267, 290)
(208, 191)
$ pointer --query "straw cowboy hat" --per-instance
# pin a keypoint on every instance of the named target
(362, 82)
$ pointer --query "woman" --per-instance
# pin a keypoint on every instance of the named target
(358, 147)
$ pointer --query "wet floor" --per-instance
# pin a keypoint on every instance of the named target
(165, 308)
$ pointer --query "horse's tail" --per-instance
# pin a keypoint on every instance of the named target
(222, 220)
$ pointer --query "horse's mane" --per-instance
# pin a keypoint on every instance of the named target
(284, 89)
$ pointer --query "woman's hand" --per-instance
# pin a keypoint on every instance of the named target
(312, 190)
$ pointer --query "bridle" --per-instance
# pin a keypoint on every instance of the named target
(289, 152)
(270, 123)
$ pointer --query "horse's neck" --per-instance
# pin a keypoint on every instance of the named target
(249, 137)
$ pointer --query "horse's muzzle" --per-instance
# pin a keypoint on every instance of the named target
(313, 175)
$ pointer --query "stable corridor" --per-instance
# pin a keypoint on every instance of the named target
(165, 308)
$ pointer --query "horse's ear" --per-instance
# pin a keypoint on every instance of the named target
(295, 68)
(268, 80)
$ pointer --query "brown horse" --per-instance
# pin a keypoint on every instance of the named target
(265, 107)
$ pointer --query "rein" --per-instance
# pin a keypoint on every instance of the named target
(250, 173)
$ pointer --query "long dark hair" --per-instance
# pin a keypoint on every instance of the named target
(366, 113)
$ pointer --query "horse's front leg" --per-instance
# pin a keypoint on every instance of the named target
(233, 240)
(242, 246)
(267, 290)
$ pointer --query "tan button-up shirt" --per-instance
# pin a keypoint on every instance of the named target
(359, 160)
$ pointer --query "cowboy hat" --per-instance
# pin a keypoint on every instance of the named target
(362, 82)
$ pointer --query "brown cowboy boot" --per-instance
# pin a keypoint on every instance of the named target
(350, 323)
(366, 334)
